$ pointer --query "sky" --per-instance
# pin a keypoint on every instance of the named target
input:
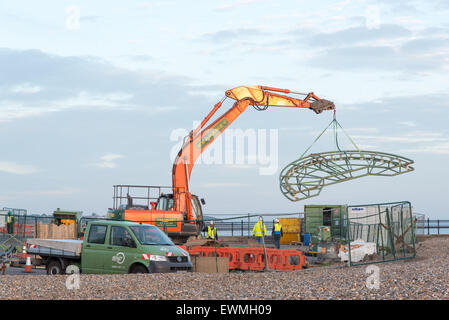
(91, 94)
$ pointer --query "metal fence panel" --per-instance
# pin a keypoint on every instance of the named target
(385, 231)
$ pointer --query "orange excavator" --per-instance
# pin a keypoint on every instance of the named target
(178, 212)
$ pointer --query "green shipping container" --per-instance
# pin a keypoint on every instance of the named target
(332, 216)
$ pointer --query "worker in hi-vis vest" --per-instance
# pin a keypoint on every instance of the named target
(212, 231)
(277, 233)
(259, 230)
(10, 222)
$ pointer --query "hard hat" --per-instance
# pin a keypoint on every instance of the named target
(212, 222)
(260, 217)
(276, 220)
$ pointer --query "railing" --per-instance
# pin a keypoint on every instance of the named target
(437, 226)
(226, 224)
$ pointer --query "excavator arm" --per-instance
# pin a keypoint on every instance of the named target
(196, 142)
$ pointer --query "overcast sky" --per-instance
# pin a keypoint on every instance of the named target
(90, 92)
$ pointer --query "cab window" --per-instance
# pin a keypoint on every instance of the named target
(120, 237)
(97, 234)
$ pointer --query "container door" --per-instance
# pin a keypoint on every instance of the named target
(92, 255)
(313, 217)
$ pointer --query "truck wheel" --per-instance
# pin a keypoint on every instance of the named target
(139, 269)
(54, 267)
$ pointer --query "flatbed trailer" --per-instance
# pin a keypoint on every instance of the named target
(55, 248)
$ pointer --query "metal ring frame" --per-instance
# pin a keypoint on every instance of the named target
(306, 177)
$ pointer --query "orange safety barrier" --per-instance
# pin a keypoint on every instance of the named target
(27, 229)
(244, 258)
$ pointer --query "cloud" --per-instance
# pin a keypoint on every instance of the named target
(11, 167)
(141, 58)
(90, 18)
(33, 83)
(230, 35)
(379, 58)
(426, 45)
(438, 148)
(108, 160)
(408, 123)
(26, 88)
(151, 5)
(351, 36)
(410, 137)
(52, 193)
(390, 47)
(236, 4)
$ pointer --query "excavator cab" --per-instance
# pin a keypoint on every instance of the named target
(165, 203)
(152, 205)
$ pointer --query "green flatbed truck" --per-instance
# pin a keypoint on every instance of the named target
(113, 247)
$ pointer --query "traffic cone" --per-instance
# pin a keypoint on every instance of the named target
(24, 250)
(28, 266)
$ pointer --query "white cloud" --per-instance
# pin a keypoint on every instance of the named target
(236, 4)
(438, 148)
(26, 88)
(107, 160)
(151, 5)
(410, 137)
(11, 167)
(408, 123)
(12, 110)
(53, 193)
(65, 191)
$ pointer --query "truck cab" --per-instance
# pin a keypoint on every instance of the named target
(125, 247)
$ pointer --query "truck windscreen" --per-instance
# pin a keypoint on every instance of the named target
(151, 235)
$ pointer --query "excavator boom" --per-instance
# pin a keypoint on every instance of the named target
(261, 98)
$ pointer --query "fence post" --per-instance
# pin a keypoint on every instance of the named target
(232, 228)
(248, 225)
(242, 226)
(438, 223)
(428, 226)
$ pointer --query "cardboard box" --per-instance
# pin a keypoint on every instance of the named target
(210, 264)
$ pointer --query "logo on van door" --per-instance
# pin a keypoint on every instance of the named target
(119, 258)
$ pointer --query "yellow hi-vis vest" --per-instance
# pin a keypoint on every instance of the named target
(277, 228)
(9, 220)
(211, 232)
(257, 230)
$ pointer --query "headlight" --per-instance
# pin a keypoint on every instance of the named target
(157, 258)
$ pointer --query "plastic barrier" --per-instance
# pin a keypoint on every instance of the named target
(254, 258)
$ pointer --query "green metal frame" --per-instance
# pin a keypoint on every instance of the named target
(401, 221)
(307, 176)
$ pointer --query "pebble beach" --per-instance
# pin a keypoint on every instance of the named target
(425, 277)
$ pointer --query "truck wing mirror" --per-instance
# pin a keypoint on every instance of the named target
(203, 202)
